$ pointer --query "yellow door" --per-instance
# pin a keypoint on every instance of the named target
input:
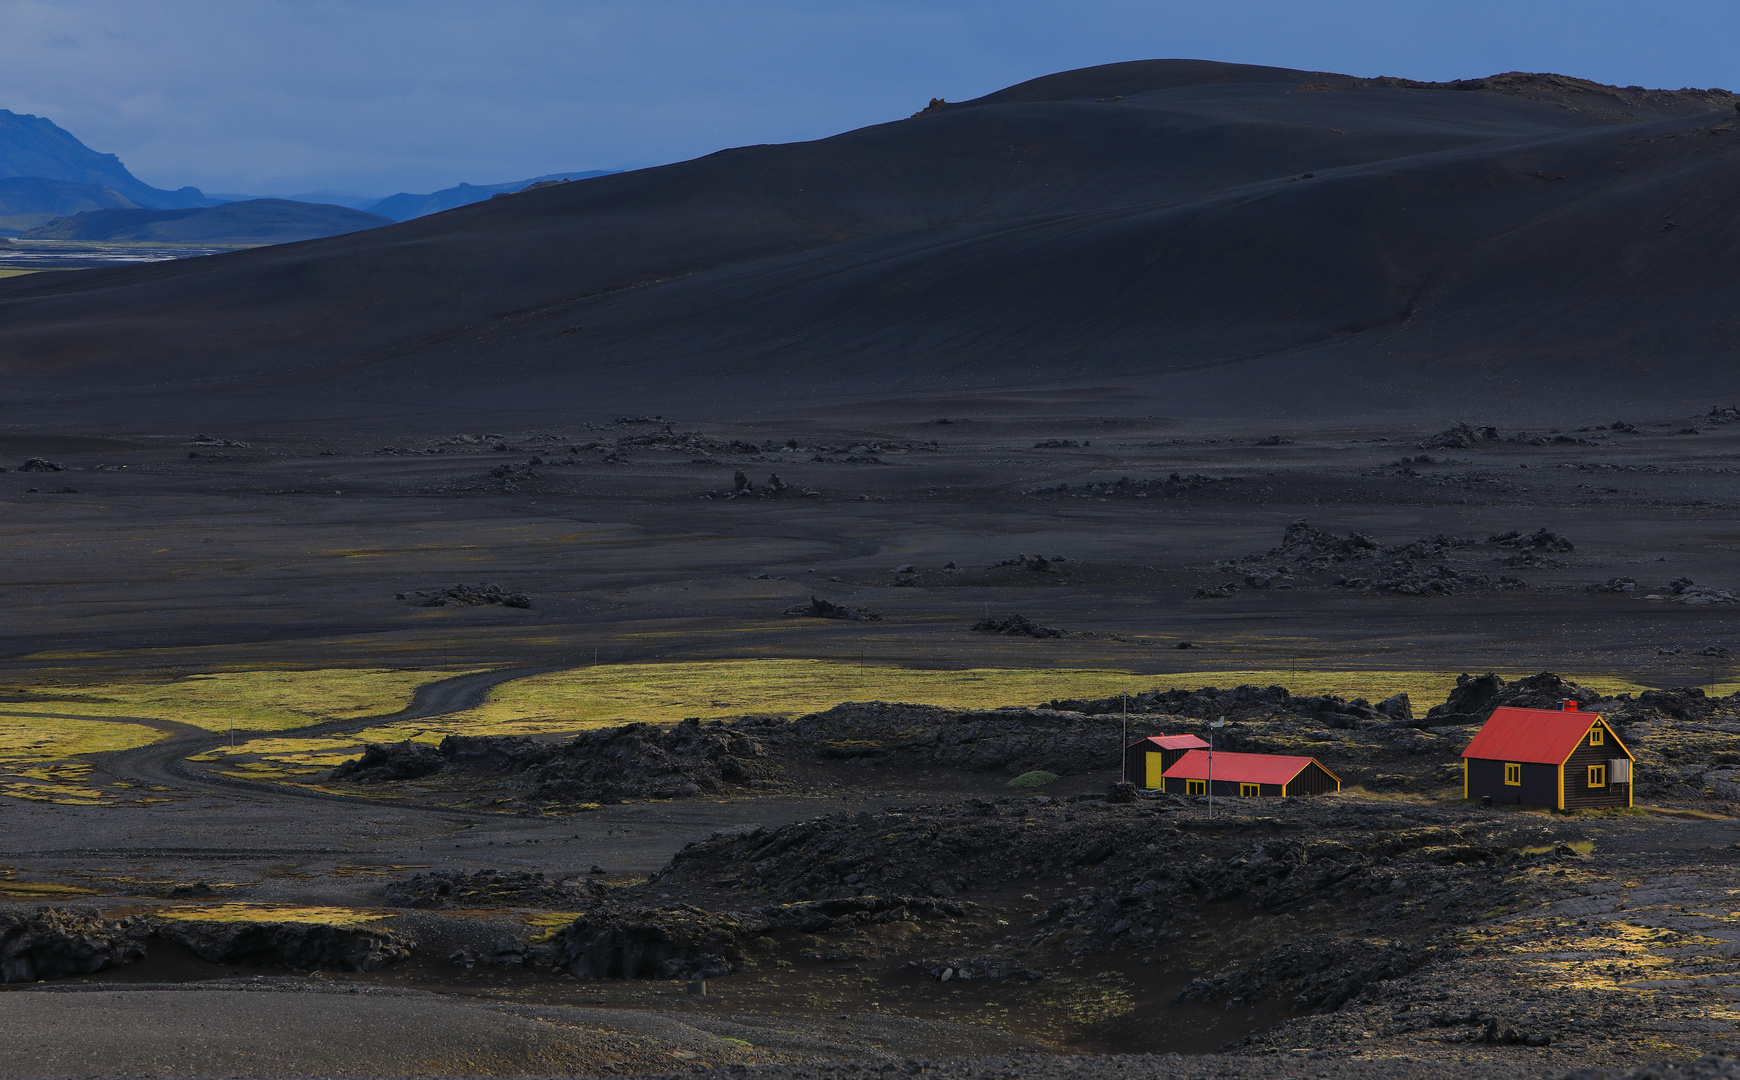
(1156, 767)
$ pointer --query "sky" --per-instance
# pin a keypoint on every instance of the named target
(379, 96)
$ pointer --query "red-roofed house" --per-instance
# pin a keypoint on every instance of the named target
(1146, 760)
(1249, 774)
(1561, 758)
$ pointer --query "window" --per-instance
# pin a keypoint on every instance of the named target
(1196, 787)
(1597, 776)
(1513, 773)
(1248, 790)
(1597, 735)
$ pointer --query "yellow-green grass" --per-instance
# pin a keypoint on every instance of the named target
(1424, 688)
(550, 923)
(663, 693)
(65, 782)
(24, 737)
(34, 890)
(666, 693)
(9, 271)
(251, 700)
(272, 913)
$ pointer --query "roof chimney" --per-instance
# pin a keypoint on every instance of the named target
(1568, 705)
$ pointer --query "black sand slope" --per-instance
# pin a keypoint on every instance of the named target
(1210, 238)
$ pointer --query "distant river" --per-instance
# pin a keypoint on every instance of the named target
(84, 254)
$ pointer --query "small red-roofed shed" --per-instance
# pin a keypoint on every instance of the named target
(1249, 774)
(1562, 758)
(1146, 760)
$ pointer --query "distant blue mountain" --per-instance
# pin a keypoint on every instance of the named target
(405, 206)
(35, 147)
(320, 198)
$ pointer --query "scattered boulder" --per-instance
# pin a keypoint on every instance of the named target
(55, 943)
(301, 946)
(1321, 974)
(1220, 592)
(1125, 487)
(774, 487)
(405, 760)
(488, 888)
(993, 968)
(469, 596)
(637, 761)
(1301, 542)
(827, 609)
(1540, 540)
(1615, 585)
(37, 464)
(1463, 436)
(673, 943)
(1016, 626)
(1476, 696)
(1685, 591)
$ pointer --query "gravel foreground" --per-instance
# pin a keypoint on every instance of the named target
(1160, 1067)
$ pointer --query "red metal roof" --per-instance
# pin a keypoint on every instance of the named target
(1240, 768)
(1171, 742)
(1544, 736)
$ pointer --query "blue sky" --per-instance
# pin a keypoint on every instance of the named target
(282, 96)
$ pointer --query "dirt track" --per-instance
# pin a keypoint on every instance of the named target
(165, 763)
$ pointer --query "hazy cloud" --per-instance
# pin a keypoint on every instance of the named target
(388, 95)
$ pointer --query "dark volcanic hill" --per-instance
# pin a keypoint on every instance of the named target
(256, 221)
(1214, 238)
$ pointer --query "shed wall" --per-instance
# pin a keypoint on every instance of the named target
(1229, 789)
(1140, 766)
(1540, 783)
(1578, 794)
(1313, 779)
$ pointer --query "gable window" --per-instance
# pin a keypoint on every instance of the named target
(1597, 776)
(1196, 787)
(1248, 790)
(1513, 773)
(1597, 735)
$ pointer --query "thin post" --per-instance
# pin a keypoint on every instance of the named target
(1211, 770)
(1124, 756)
(1217, 724)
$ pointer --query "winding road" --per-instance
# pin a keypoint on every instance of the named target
(164, 763)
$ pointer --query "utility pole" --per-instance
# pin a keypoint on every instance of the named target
(1211, 729)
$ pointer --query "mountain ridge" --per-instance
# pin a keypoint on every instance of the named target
(404, 206)
(1202, 238)
(36, 147)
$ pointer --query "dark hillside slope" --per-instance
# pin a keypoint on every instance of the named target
(1149, 225)
(254, 221)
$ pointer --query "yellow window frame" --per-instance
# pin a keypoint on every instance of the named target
(1249, 790)
(1597, 776)
(1597, 736)
(1196, 787)
(1513, 773)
